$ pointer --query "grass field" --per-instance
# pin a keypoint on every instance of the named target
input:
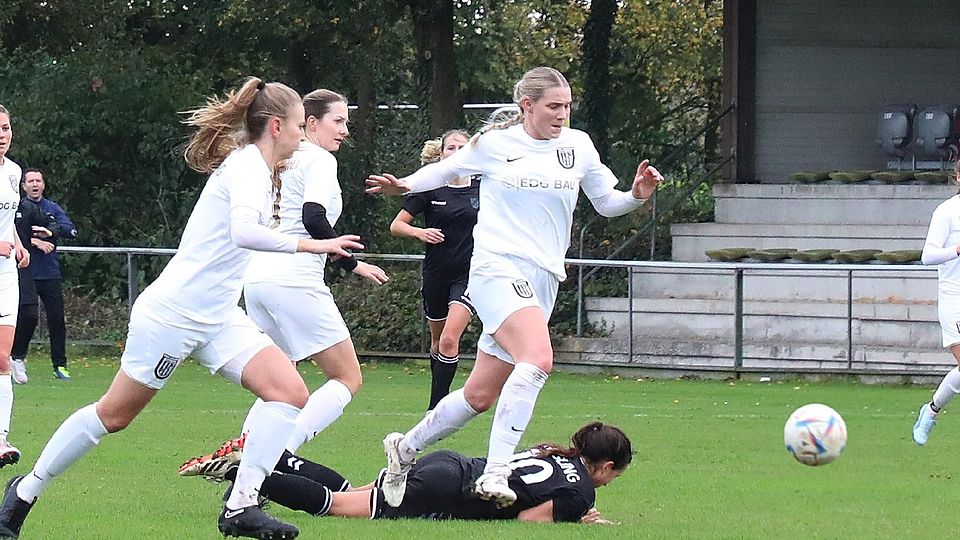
(710, 460)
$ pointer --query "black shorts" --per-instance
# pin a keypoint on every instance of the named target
(438, 294)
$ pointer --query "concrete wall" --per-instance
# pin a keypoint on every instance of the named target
(825, 68)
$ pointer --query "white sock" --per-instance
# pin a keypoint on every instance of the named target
(948, 389)
(6, 404)
(75, 437)
(251, 414)
(270, 427)
(325, 405)
(451, 413)
(514, 410)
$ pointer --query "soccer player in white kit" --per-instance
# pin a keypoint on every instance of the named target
(533, 169)
(192, 308)
(12, 256)
(942, 248)
(285, 294)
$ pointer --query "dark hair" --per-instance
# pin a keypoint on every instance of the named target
(248, 109)
(317, 103)
(956, 170)
(596, 442)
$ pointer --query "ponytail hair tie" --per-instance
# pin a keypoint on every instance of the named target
(261, 85)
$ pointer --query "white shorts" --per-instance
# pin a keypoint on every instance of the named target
(302, 321)
(948, 311)
(501, 285)
(158, 340)
(9, 299)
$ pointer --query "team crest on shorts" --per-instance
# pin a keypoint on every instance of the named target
(565, 157)
(523, 288)
(475, 202)
(165, 366)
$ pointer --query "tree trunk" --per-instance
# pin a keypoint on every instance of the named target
(436, 63)
(597, 100)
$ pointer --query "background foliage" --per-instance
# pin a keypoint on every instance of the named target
(96, 87)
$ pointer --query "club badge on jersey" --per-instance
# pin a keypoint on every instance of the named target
(565, 157)
(165, 366)
(522, 288)
(14, 183)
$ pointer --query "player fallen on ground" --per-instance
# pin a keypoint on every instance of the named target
(553, 483)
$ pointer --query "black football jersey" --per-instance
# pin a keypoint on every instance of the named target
(536, 480)
(453, 210)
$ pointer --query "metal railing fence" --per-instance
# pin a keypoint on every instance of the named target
(736, 272)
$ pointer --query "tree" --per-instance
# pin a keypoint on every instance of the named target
(433, 24)
(597, 101)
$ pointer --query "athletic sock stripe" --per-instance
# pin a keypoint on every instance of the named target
(448, 359)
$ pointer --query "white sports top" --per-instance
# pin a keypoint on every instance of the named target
(941, 245)
(311, 176)
(529, 190)
(9, 202)
(205, 277)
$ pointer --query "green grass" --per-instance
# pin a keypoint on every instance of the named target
(710, 460)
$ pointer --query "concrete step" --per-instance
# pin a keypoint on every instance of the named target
(793, 204)
(692, 240)
(870, 285)
(705, 358)
(908, 326)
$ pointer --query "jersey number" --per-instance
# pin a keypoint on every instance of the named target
(543, 472)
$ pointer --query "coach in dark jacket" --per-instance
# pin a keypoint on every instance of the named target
(45, 267)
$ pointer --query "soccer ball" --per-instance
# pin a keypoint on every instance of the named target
(815, 434)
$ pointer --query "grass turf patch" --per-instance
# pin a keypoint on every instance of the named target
(710, 461)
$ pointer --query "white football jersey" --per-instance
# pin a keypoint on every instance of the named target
(204, 279)
(940, 246)
(9, 202)
(311, 176)
(529, 190)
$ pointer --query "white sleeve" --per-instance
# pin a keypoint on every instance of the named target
(320, 178)
(598, 180)
(463, 162)
(616, 203)
(247, 232)
(934, 251)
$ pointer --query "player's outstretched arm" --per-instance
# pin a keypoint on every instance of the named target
(386, 184)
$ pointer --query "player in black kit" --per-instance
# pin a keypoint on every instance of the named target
(449, 215)
(553, 483)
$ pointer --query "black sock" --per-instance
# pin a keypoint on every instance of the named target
(297, 493)
(443, 372)
(290, 464)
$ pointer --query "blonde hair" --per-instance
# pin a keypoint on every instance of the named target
(240, 118)
(3, 110)
(534, 85)
(432, 150)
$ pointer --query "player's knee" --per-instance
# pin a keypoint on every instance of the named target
(114, 421)
(541, 357)
(293, 393)
(352, 381)
(481, 399)
(449, 345)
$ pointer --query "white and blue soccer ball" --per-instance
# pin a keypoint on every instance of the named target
(815, 434)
